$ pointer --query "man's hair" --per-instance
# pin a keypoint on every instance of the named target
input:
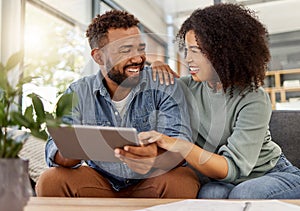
(234, 41)
(114, 19)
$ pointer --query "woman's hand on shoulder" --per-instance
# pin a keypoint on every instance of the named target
(165, 73)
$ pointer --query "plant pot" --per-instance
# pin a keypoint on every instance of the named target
(15, 188)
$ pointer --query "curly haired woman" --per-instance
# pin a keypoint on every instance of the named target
(227, 53)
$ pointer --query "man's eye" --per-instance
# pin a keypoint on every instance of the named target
(125, 51)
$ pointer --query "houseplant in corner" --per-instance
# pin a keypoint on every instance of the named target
(15, 188)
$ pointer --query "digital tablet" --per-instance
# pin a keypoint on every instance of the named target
(92, 142)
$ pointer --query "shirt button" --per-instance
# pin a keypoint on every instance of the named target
(127, 181)
(116, 113)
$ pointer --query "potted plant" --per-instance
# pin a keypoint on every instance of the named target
(15, 188)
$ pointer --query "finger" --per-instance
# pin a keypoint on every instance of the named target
(148, 137)
(166, 77)
(144, 151)
(122, 153)
(160, 76)
(131, 158)
(138, 167)
(172, 74)
(154, 73)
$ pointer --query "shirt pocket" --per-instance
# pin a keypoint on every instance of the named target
(144, 119)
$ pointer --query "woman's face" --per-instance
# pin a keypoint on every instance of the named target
(200, 67)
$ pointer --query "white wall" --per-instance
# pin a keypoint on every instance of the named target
(0, 27)
(10, 34)
(279, 16)
(10, 28)
(80, 10)
(148, 13)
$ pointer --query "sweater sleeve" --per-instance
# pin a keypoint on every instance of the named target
(249, 128)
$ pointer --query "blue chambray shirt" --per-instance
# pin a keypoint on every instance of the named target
(151, 106)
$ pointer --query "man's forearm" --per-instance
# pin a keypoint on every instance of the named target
(65, 162)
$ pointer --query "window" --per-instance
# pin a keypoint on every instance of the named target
(54, 53)
(155, 46)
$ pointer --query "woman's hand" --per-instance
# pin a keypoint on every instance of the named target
(165, 73)
(171, 144)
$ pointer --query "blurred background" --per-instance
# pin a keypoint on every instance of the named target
(52, 35)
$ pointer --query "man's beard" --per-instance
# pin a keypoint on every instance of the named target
(121, 78)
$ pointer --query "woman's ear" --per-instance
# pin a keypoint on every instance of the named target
(97, 55)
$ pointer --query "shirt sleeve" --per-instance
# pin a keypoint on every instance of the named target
(249, 130)
(51, 149)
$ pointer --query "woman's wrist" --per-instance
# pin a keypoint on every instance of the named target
(183, 147)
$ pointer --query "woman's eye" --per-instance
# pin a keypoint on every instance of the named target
(185, 52)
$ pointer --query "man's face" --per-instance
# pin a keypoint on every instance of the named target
(124, 56)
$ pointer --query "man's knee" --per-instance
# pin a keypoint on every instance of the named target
(181, 182)
(50, 182)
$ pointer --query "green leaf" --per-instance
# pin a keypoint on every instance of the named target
(19, 119)
(53, 122)
(1, 67)
(29, 114)
(3, 78)
(2, 112)
(39, 134)
(25, 81)
(14, 60)
(65, 104)
(38, 107)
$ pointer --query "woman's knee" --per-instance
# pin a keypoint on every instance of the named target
(215, 190)
(248, 190)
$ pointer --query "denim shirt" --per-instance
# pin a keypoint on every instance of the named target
(151, 106)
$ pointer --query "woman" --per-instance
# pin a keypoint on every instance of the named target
(227, 53)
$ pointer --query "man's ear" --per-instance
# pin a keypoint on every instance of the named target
(97, 55)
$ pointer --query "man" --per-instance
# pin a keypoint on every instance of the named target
(123, 94)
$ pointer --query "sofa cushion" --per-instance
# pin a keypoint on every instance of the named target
(285, 131)
(34, 151)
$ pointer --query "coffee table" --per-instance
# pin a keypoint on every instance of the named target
(108, 204)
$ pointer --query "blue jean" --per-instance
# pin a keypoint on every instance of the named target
(281, 182)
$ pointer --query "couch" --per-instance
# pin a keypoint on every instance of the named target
(283, 126)
(285, 132)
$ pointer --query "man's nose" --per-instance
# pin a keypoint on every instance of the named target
(138, 58)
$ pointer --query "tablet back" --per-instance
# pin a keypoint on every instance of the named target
(92, 142)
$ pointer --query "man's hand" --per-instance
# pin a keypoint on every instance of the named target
(139, 158)
(165, 73)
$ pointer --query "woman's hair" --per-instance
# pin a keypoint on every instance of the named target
(114, 19)
(234, 41)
